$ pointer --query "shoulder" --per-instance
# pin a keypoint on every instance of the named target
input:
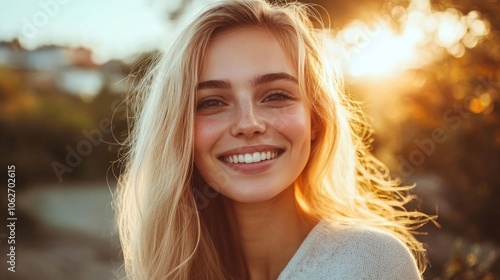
(332, 252)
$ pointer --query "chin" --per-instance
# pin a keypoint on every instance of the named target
(251, 194)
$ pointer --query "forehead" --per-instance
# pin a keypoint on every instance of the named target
(244, 52)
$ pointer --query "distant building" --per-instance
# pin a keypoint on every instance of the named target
(66, 70)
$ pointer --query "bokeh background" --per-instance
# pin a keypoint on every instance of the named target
(427, 73)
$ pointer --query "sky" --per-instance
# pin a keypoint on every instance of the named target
(122, 29)
(113, 29)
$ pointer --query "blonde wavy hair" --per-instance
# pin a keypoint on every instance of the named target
(172, 224)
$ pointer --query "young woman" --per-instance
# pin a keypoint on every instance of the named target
(248, 161)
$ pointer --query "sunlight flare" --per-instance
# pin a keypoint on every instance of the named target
(409, 38)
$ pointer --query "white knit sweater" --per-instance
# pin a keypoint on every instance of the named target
(330, 252)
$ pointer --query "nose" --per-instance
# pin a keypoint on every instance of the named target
(248, 122)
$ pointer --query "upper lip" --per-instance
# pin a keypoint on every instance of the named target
(250, 149)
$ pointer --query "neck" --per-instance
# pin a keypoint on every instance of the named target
(268, 233)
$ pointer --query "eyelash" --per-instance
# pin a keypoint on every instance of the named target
(203, 104)
(282, 94)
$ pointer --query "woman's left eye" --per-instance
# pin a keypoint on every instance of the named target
(277, 96)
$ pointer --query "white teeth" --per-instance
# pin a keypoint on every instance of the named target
(256, 157)
(251, 158)
(248, 158)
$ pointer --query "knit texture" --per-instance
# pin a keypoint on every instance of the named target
(330, 252)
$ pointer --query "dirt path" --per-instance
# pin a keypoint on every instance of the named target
(66, 232)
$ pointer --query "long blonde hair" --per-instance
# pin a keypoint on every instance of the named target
(171, 223)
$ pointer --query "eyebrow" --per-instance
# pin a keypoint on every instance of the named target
(262, 79)
(271, 77)
(213, 84)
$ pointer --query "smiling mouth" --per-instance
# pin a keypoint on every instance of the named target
(252, 157)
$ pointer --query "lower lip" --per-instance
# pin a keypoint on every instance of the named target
(252, 167)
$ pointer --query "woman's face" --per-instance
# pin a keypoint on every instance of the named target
(252, 126)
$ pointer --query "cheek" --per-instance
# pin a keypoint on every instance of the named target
(202, 144)
(205, 135)
(208, 132)
(295, 123)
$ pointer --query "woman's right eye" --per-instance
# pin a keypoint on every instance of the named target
(209, 103)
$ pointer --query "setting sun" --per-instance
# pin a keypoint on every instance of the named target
(409, 38)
